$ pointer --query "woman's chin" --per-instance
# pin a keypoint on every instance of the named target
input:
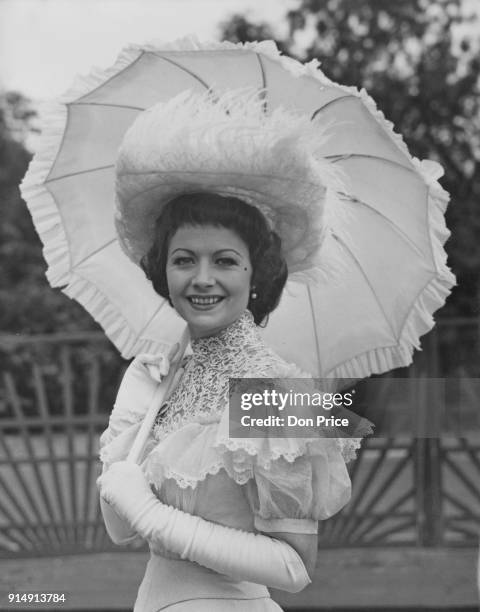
(208, 323)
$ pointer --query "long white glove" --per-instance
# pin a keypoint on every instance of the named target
(240, 554)
(132, 402)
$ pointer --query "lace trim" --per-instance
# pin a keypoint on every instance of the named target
(347, 446)
(202, 393)
(182, 480)
(239, 459)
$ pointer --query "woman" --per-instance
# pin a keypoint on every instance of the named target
(222, 516)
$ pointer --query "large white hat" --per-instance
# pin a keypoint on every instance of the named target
(232, 147)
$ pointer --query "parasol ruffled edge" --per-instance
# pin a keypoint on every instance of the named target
(49, 225)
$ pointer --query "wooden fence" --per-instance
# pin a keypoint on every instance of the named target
(55, 396)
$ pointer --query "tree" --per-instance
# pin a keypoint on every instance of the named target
(424, 75)
(29, 304)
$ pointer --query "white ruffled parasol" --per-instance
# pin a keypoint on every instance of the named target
(384, 266)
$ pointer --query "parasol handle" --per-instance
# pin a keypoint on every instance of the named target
(163, 390)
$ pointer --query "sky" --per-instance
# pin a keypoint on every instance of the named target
(44, 43)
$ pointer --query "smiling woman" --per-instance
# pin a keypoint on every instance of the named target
(224, 518)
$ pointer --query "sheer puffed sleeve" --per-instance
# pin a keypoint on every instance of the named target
(293, 496)
(295, 482)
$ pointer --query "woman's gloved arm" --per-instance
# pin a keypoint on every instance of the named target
(133, 399)
(240, 554)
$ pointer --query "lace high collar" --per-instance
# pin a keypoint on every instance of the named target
(239, 337)
(202, 392)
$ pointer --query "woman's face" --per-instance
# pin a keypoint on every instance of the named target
(208, 275)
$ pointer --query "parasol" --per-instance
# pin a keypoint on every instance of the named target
(384, 267)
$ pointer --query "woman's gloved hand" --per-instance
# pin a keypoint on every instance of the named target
(117, 488)
(240, 554)
(124, 487)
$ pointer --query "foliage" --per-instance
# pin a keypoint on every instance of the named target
(419, 60)
(29, 305)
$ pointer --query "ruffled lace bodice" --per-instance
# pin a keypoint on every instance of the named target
(269, 484)
(202, 393)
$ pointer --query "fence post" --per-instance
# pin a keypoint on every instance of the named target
(427, 444)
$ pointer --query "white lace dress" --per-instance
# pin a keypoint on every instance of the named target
(253, 484)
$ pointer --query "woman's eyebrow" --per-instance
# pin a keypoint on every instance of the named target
(182, 249)
(227, 249)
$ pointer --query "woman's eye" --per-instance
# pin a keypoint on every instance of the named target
(226, 261)
(182, 261)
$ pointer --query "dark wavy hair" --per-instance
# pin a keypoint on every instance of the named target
(269, 269)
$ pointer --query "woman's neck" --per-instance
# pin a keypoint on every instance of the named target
(234, 338)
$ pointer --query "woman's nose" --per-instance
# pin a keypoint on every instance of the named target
(203, 276)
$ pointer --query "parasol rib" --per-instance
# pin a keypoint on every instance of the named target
(367, 280)
(315, 330)
(264, 83)
(58, 178)
(343, 156)
(321, 108)
(139, 108)
(397, 229)
(111, 78)
(90, 255)
(157, 310)
(402, 326)
(192, 74)
(419, 293)
(341, 99)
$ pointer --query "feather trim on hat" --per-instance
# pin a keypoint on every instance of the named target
(227, 145)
